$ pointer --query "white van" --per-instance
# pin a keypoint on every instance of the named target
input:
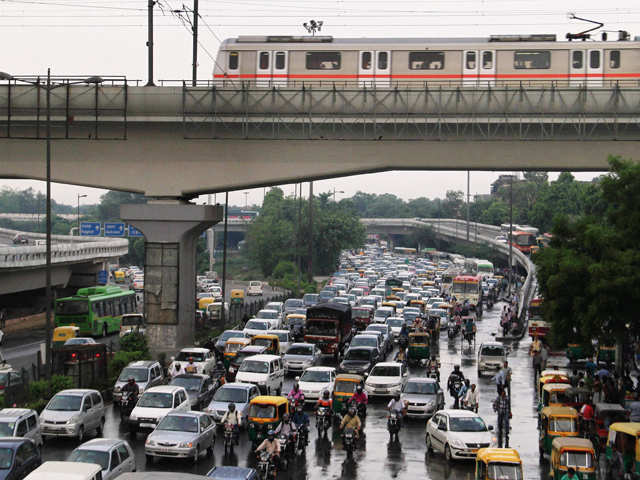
(491, 356)
(254, 288)
(66, 471)
(265, 371)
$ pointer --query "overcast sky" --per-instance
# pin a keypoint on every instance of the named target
(107, 37)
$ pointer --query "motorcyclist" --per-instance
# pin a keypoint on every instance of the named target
(175, 369)
(359, 398)
(219, 373)
(295, 395)
(401, 356)
(456, 377)
(434, 366)
(191, 367)
(287, 428)
(301, 421)
(471, 398)
(271, 445)
(325, 400)
(351, 420)
(396, 406)
(232, 417)
(133, 389)
(469, 327)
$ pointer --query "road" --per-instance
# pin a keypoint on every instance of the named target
(326, 459)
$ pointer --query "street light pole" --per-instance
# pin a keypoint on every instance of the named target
(468, 203)
(510, 233)
(194, 73)
(79, 197)
(150, 6)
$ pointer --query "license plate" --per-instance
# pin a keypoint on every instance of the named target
(147, 425)
(380, 391)
(163, 450)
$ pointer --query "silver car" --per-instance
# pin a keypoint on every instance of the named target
(424, 397)
(181, 435)
(20, 422)
(72, 413)
(113, 455)
(300, 356)
(237, 393)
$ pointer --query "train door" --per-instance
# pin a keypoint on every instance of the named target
(470, 68)
(366, 70)
(383, 68)
(595, 68)
(577, 68)
(487, 66)
(263, 69)
(374, 68)
(280, 68)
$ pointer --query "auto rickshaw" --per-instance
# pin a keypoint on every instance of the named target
(343, 390)
(606, 414)
(502, 463)
(237, 297)
(421, 304)
(62, 334)
(576, 397)
(272, 342)
(119, 276)
(553, 395)
(606, 354)
(577, 351)
(292, 319)
(231, 348)
(204, 302)
(418, 347)
(556, 422)
(265, 413)
(551, 376)
(624, 437)
(572, 452)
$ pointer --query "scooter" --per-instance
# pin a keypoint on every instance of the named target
(393, 425)
(127, 403)
(453, 328)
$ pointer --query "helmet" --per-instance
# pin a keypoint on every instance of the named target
(190, 359)
(456, 368)
(219, 365)
(359, 389)
(325, 394)
(132, 380)
(232, 407)
(467, 382)
(396, 396)
(352, 410)
(271, 434)
(285, 417)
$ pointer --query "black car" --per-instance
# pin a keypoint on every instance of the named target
(18, 458)
(359, 360)
(200, 388)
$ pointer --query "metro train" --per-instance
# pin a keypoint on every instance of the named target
(281, 61)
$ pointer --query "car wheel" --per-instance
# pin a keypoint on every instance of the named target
(447, 453)
(427, 441)
(100, 429)
(80, 434)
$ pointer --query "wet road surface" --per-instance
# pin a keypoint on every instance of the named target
(375, 455)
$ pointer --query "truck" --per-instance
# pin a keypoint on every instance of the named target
(328, 325)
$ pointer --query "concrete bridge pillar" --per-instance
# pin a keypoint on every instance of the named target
(171, 230)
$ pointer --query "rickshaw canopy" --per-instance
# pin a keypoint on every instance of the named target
(502, 455)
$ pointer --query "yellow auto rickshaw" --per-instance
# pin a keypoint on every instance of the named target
(498, 463)
(573, 452)
(624, 437)
(272, 342)
(343, 390)
(204, 302)
(119, 276)
(556, 422)
(265, 413)
(552, 395)
(551, 376)
(62, 334)
(237, 297)
(421, 304)
(293, 319)
(231, 348)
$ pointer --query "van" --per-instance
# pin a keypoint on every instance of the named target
(66, 471)
(491, 357)
(21, 422)
(146, 373)
(255, 288)
(265, 371)
(72, 413)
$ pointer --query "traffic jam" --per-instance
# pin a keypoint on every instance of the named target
(406, 364)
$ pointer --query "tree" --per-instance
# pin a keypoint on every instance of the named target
(109, 206)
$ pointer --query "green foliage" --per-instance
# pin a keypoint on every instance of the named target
(28, 201)
(134, 342)
(41, 391)
(285, 275)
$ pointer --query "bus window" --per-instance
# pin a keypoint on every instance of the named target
(108, 308)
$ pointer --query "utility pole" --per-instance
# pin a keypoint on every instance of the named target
(510, 232)
(224, 257)
(194, 73)
(211, 240)
(150, 6)
(468, 202)
(298, 238)
(310, 252)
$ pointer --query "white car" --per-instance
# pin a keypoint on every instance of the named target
(265, 371)
(255, 288)
(154, 404)
(215, 291)
(256, 327)
(458, 434)
(271, 316)
(203, 359)
(316, 380)
(386, 379)
(395, 323)
(491, 356)
(284, 337)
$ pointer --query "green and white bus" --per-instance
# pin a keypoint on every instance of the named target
(485, 268)
(95, 310)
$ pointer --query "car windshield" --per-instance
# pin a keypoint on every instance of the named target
(316, 376)
(467, 424)
(492, 351)
(6, 429)
(227, 334)
(90, 456)
(6, 457)
(385, 371)
(132, 320)
(364, 342)
(283, 336)
(504, 471)
(562, 424)
(78, 341)
(345, 386)
(138, 374)
(256, 325)
(65, 403)
(234, 347)
(376, 328)
(229, 394)
(185, 356)
(178, 423)
(426, 388)
(188, 383)
(293, 303)
(300, 350)
(253, 366)
(358, 354)
(262, 411)
(156, 400)
(267, 314)
(394, 322)
(577, 459)
(263, 342)
(319, 327)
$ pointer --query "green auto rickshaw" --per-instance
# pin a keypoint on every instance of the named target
(623, 440)
(573, 452)
(418, 347)
(556, 422)
(343, 390)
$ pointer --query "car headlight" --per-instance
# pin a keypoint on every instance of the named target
(133, 417)
(431, 404)
(185, 445)
(149, 442)
(457, 443)
(73, 420)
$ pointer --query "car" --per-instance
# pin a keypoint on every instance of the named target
(491, 357)
(458, 434)
(369, 300)
(132, 323)
(255, 288)
(500, 239)
(385, 346)
(20, 239)
(115, 456)
(325, 296)
(284, 339)
(395, 324)
(203, 359)
(154, 404)
(359, 360)
(386, 379)
(381, 314)
(244, 352)
(67, 471)
(369, 340)
(21, 422)
(256, 327)
(300, 356)
(80, 341)
(265, 371)
(424, 397)
(18, 457)
(240, 394)
(310, 299)
(72, 413)
(146, 373)
(272, 316)
(182, 435)
(386, 333)
(316, 380)
(226, 335)
(200, 388)
(292, 304)
(232, 473)
(277, 306)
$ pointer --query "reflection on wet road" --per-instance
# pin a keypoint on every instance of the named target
(375, 455)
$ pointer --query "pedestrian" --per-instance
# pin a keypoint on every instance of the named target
(506, 377)
(502, 406)
(544, 356)
(3, 318)
(573, 379)
(570, 475)
(537, 363)
(634, 408)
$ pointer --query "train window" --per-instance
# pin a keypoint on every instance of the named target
(577, 59)
(264, 60)
(487, 60)
(233, 60)
(323, 60)
(366, 61)
(614, 59)
(594, 59)
(471, 60)
(280, 60)
(383, 60)
(532, 59)
(426, 60)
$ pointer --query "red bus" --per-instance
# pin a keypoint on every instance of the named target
(537, 326)
(523, 241)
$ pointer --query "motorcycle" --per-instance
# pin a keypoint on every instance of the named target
(266, 466)
(323, 420)
(287, 448)
(303, 438)
(453, 328)
(230, 437)
(471, 407)
(433, 371)
(361, 410)
(393, 425)
(349, 441)
(127, 403)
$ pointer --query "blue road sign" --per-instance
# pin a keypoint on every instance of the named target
(112, 229)
(134, 232)
(90, 229)
(103, 277)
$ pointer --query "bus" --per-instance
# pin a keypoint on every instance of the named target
(485, 268)
(390, 284)
(405, 251)
(469, 288)
(471, 266)
(523, 241)
(95, 310)
(537, 326)
(447, 278)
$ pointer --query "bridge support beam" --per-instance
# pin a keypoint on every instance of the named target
(171, 230)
